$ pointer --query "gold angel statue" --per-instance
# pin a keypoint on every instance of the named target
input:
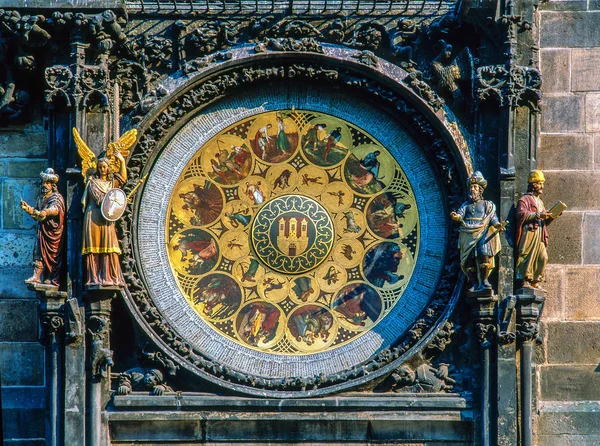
(103, 203)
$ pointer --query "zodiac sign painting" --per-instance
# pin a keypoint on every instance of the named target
(292, 232)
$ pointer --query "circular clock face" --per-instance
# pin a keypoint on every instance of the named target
(292, 232)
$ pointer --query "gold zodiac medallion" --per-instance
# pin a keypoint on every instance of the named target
(292, 232)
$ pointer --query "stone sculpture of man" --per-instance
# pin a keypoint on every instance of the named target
(531, 239)
(477, 218)
(49, 212)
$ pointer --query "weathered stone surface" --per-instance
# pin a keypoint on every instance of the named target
(596, 164)
(568, 440)
(573, 422)
(18, 320)
(584, 75)
(592, 112)
(563, 152)
(591, 238)
(23, 423)
(558, 30)
(563, 114)
(22, 364)
(32, 142)
(566, 5)
(23, 398)
(554, 64)
(16, 251)
(26, 169)
(583, 299)
(541, 351)
(565, 238)
(569, 383)
(3, 168)
(554, 307)
(11, 282)
(578, 189)
(13, 216)
(573, 343)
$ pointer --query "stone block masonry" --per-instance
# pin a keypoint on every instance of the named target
(569, 153)
(22, 365)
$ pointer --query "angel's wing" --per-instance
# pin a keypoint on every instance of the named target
(123, 144)
(88, 159)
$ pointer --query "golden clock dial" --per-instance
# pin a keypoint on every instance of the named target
(292, 232)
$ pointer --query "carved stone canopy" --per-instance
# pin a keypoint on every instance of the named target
(171, 273)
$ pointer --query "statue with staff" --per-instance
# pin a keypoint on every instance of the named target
(478, 240)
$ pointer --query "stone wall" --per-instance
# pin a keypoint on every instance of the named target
(22, 154)
(568, 365)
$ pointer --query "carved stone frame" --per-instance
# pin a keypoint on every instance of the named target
(382, 83)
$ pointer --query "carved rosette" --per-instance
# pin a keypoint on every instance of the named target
(510, 85)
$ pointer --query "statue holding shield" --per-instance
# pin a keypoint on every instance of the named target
(103, 203)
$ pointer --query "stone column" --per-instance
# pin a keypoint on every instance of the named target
(52, 322)
(483, 312)
(530, 305)
(98, 309)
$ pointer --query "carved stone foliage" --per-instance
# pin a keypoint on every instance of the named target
(528, 331)
(307, 44)
(77, 85)
(266, 72)
(441, 340)
(485, 334)
(415, 80)
(509, 85)
(414, 44)
(101, 356)
(27, 41)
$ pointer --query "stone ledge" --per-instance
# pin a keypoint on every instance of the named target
(348, 418)
(569, 418)
(190, 401)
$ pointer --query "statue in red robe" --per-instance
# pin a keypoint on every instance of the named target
(49, 212)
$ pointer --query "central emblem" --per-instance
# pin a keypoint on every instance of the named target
(292, 234)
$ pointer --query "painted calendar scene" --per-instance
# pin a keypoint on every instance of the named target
(293, 232)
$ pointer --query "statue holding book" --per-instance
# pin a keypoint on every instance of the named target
(531, 241)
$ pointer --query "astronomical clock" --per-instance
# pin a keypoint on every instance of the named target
(292, 242)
